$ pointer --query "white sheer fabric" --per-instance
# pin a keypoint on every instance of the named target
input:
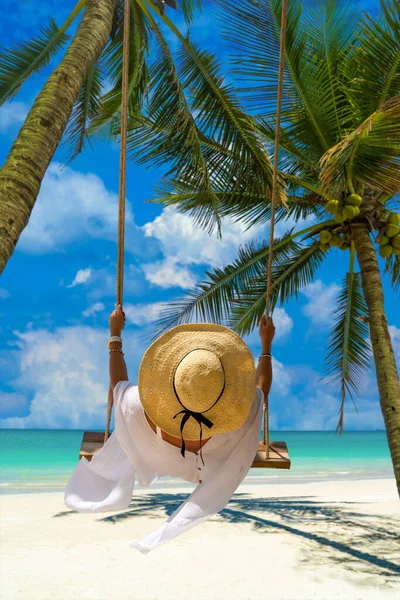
(135, 450)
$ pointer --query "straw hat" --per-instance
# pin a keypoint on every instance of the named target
(197, 376)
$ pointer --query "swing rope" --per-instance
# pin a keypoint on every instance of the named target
(122, 184)
(274, 190)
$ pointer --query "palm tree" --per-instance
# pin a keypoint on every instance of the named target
(74, 102)
(339, 156)
(23, 171)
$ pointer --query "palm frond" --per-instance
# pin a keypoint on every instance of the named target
(309, 184)
(217, 298)
(85, 109)
(392, 269)
(290, 274)
(212, 300)
(240, 205)
(293, 155)
(311, 99)
(369, 155)
(348, 356)
(151, 143)
(301, 208)
(220, 116)
(190, 8)
(18, 63)
(166, 132)
(332, 26)
(196, 126)
(373, 66)
(107, 122)
(118, 19)
(252, 30)
(332, 31)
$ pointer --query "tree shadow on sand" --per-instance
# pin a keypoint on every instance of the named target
(340, 534)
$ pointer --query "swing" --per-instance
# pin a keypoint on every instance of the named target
(270, 455)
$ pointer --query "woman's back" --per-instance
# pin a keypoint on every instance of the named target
(191, 446)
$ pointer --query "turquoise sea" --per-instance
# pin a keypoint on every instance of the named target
(36, 460)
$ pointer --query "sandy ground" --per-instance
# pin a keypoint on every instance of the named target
(324, 540)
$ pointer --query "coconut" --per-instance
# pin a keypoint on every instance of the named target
(393, 219)
(392, 230)
(395, 241)
(384, 240)
(396, 251)
(333, 206)
(325, 236)
(324, 247)
(356, 211)
(336, 241)
(349, 212)
(385, 251)
(338, 217)
(354, 200)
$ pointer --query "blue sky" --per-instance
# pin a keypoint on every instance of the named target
(58, 289)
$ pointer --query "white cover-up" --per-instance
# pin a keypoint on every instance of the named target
(134, 449)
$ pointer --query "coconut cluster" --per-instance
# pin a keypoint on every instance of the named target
(328, 239)
(347, 211)
(389, 241)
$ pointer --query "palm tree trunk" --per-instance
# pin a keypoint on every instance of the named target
(37, 141)
(385, 364)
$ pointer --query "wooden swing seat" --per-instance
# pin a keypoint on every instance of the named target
(278, 452)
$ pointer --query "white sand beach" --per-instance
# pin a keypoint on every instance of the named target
(325, 541)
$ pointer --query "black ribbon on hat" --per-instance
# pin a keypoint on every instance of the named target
(198, 416)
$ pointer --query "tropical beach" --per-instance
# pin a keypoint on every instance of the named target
(199, 324)
(324, 541)
(327, 528)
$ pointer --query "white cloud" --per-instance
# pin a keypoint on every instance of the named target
(316, 411)
(283, 322)
(321, 302)
(70, 206)
(395, 336)
(315, 406)
(142, 314)
(102, 283)
(4, 294)
(93, 309)
(82, 276)
(185, 244)
(12, 113)
(283, 327)
(168, 273)
(73, 205)
(282, 379)
(369, 415)
(188, 244)
(11, 403)
(301, 400)
(66, 372)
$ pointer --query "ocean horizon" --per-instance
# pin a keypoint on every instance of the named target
(42, 460)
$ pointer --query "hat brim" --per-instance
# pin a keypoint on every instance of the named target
(157, 370)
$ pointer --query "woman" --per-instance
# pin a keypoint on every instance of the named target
(194, 376)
